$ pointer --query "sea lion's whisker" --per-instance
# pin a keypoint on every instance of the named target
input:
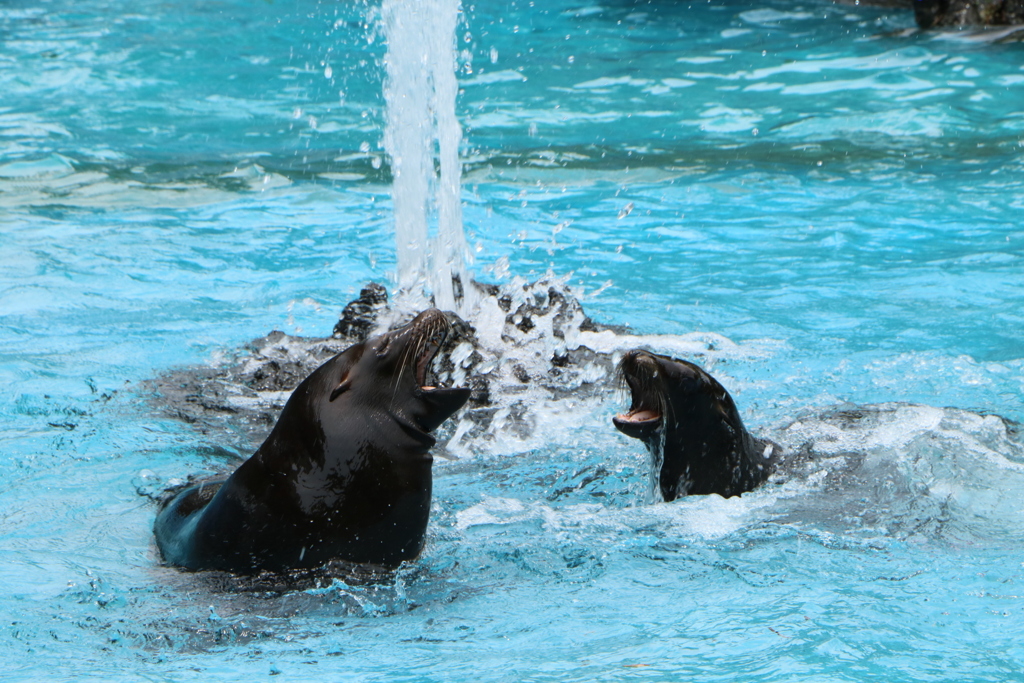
(403, 362)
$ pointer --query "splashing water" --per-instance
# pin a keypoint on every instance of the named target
(420, 92)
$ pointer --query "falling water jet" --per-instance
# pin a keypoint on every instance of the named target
(419, 92)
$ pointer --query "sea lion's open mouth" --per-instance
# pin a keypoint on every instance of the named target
(430, 334)
(425, 375)
(432, 331)
(640, 372)
(639, 416)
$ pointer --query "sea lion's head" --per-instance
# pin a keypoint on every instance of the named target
(691, 426)
(671, 394)
(390, 374)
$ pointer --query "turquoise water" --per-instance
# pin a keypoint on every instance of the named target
(833, 192)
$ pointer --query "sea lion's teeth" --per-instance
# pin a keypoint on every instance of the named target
(640, 416)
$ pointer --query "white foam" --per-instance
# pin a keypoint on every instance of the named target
(771, 16)
(506, 76)
(698, 517)
(608, 82)
(918, 461)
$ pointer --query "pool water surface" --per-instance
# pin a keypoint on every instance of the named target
(828, 194)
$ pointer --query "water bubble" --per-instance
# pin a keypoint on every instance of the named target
(494, 55)
(328, 72)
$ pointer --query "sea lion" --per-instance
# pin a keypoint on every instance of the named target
(344, 475)
(692, 429)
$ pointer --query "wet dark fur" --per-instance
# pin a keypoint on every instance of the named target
(697, 436)
(344, 475)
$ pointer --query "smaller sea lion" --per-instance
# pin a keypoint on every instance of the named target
(692, 429)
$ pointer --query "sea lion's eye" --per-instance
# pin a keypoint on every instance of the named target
(382, 350)
(343, 386)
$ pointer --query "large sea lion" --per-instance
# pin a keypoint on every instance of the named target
(344, 475)
(692, 429)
